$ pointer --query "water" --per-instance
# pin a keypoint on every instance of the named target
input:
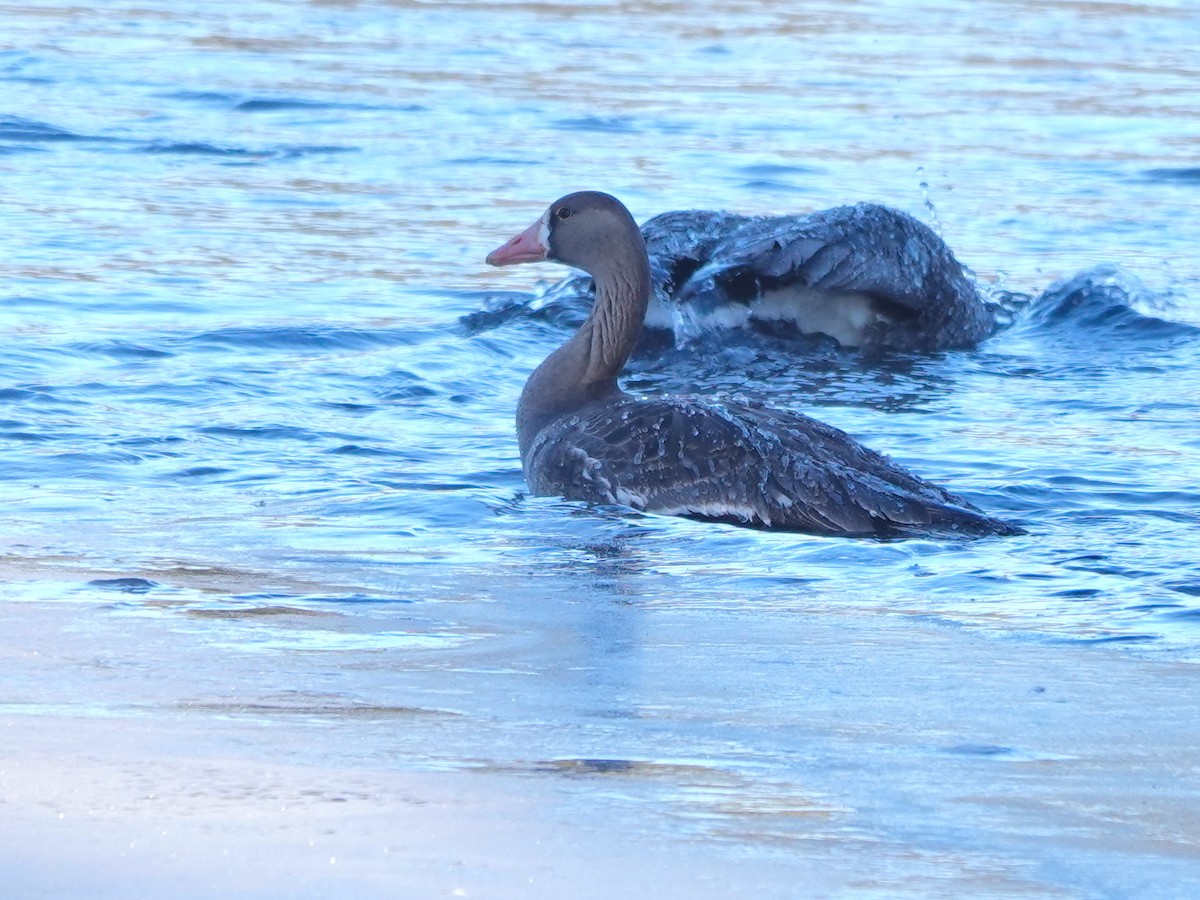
(263, 503)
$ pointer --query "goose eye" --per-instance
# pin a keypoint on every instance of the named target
(564, 213)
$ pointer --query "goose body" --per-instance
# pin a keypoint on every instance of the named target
(583, 438)
(867, 275)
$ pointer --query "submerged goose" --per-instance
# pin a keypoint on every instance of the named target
(583, 438)
(867, 276)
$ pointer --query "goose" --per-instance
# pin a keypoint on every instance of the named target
(583, 438)
(868, 276)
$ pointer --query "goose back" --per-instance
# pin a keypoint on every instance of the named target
(739, 462)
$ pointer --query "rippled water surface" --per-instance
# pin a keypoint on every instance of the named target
(260, 464)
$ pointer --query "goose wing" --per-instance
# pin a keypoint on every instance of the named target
(865, 249)
(743, 463)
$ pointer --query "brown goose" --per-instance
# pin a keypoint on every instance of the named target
(583, 438)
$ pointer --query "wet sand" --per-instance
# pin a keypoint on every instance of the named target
(104, 809)
(1071, 770)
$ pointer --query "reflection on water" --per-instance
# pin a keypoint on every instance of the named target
(258, 386)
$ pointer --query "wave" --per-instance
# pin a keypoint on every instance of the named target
(23, 135)
(1105, 299)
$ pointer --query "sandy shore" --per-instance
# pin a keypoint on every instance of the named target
(941, 763)
(110, 809)
(101, 809)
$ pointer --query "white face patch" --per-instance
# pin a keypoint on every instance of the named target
(544, 232)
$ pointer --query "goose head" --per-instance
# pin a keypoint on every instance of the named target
(587, 230)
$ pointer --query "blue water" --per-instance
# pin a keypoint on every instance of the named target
(243, 366)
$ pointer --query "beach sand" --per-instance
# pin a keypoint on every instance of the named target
(1027, 769)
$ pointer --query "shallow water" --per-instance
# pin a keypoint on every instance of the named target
(248, 411)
